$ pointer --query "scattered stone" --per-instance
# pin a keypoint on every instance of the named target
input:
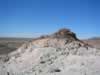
(42, 62)
(57, 70)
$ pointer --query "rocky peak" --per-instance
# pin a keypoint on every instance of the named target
(65, 33)
(58, 39)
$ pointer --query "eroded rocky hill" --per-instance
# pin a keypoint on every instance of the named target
(61, 53)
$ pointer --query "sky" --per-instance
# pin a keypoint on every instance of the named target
(30, 18)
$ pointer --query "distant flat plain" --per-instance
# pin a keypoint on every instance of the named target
(10, 44)
(95, 42)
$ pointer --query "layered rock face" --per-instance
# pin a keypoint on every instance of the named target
(61, 53)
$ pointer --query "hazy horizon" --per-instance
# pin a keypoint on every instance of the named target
(19, 35)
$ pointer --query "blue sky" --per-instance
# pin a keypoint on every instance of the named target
(28, 18)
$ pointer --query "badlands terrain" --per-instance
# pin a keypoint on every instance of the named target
(60, 53)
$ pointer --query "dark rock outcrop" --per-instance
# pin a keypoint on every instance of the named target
(65, 33)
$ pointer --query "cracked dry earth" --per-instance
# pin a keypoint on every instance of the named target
(52, 56)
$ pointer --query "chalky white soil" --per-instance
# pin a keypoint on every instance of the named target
(52, 56)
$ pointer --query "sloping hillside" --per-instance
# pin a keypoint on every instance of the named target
(58, 54)
(94, 42)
